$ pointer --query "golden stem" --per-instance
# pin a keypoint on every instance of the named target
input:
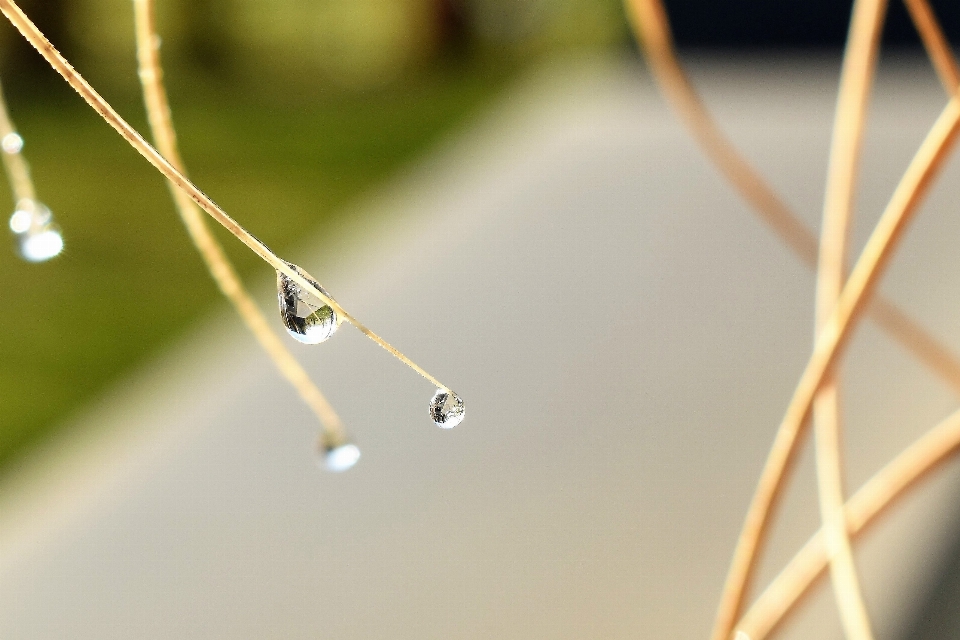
(936, 44)
(651, 25)
(856, 80)
(830, 343)
(226, 277)
(652, 28)
(33, 35)
(879, 493)
(16, 167)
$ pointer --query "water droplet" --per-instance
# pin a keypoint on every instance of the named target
(341, 457)
(12, 143)
(446, 409)
(38, 237)
(306, 317)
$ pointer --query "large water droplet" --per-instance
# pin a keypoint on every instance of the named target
(38, 237)
(446, 409)
(306, 317)
(341, 457)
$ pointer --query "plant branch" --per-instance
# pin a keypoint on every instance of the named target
(856, 81)
(222, 271)
(830, 343)
(33, 35)
(936, 44)
(879, 493)
(16, 167)
(652, 29)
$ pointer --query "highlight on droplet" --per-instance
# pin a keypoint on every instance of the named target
(11, 143)
(446, 409)
(37, 235)
(341, 457)
(306, 317)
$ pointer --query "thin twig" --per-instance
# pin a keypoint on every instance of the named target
(856, 81)
(223, 272)
(33, 35)
(650, 22)
(16, 167)
(879, 493)
(784, 593)
(936, 44)
(830, 343)
(652, 28)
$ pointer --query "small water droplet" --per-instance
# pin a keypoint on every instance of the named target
(446, 409)
(12, 143)
(341, 457)
(38, 237)
(306, 317)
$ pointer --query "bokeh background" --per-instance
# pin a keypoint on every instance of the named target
(292, 108)
(290, 112)
(286, 111)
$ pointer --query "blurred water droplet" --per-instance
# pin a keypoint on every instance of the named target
(340, 458)
(38, 237)
(306, 317)
(446, 409)
(12, 143)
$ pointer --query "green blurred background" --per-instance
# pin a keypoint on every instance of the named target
(286, 110)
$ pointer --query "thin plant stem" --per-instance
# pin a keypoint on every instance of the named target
(912, 465)
(33, 35)
(879, 493)
(856, 81)
(936, 43)
(652, 28)
(650, 22)
(223, 272)
(18, 173)
(830, 343)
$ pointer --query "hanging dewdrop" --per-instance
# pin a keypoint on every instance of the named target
(37, 236)
(306, 317)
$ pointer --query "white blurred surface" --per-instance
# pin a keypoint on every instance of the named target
(625, 336)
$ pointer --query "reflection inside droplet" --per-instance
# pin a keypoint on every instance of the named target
(446, 409)
(340, 458)
(306, 317)
(12, 143)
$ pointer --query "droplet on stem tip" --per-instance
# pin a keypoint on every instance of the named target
(446, 409)
(11, 143)
(340, 457)
(38, 237)
(306, 317)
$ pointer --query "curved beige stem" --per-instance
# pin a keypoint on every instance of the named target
(18, 173)
(856, 81)
(879, 493)
(226, 277)
(935, 42)
(33, 35)
(652, 28)
(649, 21)
(831, 342)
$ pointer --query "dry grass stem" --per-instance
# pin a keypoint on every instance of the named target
(652, 28)
(879, 493)
(651, 24)
(830, 342)
(18, 173)
(856, 81)
(226, 277)
(33, 35)
(936, 44)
